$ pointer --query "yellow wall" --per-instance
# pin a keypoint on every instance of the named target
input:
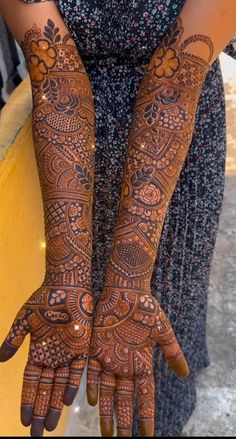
(21, 249)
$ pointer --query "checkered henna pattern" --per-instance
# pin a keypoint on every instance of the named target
(58, 315)
(128, 319)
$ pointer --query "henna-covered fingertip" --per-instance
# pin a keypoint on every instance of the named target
(180, 366)
(26, 415)
(52, 419)
(147, 427)
(7, 352)
(124, 433)
(107, 427)
(70, 395)
(37, 427)
(92, 394)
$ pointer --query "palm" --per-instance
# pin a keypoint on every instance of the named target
(59, 322)
(126, 326)
(60, 325)
(129, 320)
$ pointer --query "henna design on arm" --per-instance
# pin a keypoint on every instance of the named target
(58, 315)
(128, 319)
(159, 139)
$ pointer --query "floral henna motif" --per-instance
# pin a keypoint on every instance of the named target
(59, 314)
(128, 319)
(59, 322)
(126, 326)
(159, 139)
(165, 63)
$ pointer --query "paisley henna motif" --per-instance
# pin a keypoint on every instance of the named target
(58, 315)
(128, 319)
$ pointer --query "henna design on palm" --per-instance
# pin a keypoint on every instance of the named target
(58, 315)
(59, 322)
(126, 326)
(128, 319)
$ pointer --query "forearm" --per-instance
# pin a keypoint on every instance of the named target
(160, 136)
(63, 131)
(63, 123)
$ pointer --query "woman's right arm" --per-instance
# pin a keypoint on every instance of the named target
(59, 314)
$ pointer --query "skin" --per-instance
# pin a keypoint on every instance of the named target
(58, 315)
(141, 322)
(128, 319)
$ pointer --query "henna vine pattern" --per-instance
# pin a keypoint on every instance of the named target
(58, 315)
(128, 319)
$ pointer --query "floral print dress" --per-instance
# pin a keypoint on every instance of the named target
(116, 39)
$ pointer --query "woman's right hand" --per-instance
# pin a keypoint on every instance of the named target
(58, 315)
(59, 322)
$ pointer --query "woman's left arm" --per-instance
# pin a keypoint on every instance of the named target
(163, 120)
(159, 140)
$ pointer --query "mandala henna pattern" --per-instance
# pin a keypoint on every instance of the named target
(59, 314)
(128, 319)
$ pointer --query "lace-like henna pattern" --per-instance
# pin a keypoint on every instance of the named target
(128, 319)
(58, 315)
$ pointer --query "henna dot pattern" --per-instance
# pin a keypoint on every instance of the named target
(159, 138)
(58, 315)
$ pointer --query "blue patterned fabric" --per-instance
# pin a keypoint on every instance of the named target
(12, 65)
(116, 39)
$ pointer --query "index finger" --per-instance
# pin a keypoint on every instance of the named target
(29, 391)
(124, 406)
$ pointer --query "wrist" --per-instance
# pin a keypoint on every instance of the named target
(131, 261)
(73, 271)
(128, 282)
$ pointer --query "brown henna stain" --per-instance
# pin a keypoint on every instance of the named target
(59, 314)
(128, 319)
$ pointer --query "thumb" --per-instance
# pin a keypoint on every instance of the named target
(163, 334)
(20, 328)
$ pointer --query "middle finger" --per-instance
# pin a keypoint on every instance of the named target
(106, 403)
(145, 388)
(125, 402)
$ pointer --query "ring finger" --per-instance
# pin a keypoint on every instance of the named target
(125, 402)
(42, 402)
(56, 404)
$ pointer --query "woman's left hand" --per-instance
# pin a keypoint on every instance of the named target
(129, 320)
(127, 325)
